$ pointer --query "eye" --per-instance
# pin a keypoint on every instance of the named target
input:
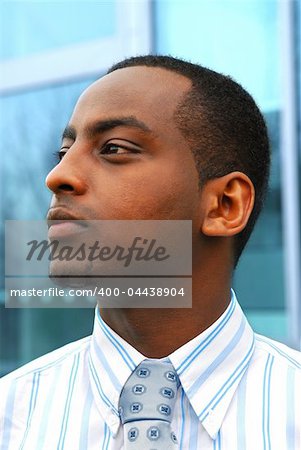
(59, 155)
(116, 149)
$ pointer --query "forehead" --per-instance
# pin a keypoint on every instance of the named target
(149, 94)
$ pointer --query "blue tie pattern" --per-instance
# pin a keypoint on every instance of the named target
(146, 406)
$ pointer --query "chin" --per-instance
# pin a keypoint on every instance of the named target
(70, 274)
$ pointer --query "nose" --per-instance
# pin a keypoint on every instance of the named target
(67, 177)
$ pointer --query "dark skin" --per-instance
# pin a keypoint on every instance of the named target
(150, 173)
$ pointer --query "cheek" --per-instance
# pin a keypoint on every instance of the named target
(160, 194)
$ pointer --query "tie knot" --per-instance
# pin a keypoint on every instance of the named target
(150, 392)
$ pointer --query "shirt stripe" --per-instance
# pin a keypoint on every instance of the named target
(68, 401)
(183, 421)
(266, 403)
(83, 440)
(49, 400)
(291, 398)
(240, 419)
(32, 402)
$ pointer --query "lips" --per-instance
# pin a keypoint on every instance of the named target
(65, 229)
(62, 224)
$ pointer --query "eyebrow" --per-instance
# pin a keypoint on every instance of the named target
(106, 125)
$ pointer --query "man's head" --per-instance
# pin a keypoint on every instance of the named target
(160, 138)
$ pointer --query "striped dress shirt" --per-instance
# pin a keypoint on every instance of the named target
(239, 391)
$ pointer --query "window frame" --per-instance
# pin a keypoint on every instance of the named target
(133, 37)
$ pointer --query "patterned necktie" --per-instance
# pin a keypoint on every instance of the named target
(146, 406)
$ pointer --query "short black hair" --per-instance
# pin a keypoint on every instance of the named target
(224, 127)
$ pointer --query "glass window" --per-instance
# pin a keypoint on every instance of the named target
(235, 37)
(31, 27)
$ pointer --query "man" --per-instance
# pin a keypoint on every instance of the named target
(160, 138)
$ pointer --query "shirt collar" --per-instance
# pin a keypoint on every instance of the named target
(111, 360)
(209, 366)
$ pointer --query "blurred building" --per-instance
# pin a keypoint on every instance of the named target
(50, 51)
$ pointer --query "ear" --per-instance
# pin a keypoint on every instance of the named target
(227, 203)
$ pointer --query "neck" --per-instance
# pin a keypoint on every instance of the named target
(158, 332)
